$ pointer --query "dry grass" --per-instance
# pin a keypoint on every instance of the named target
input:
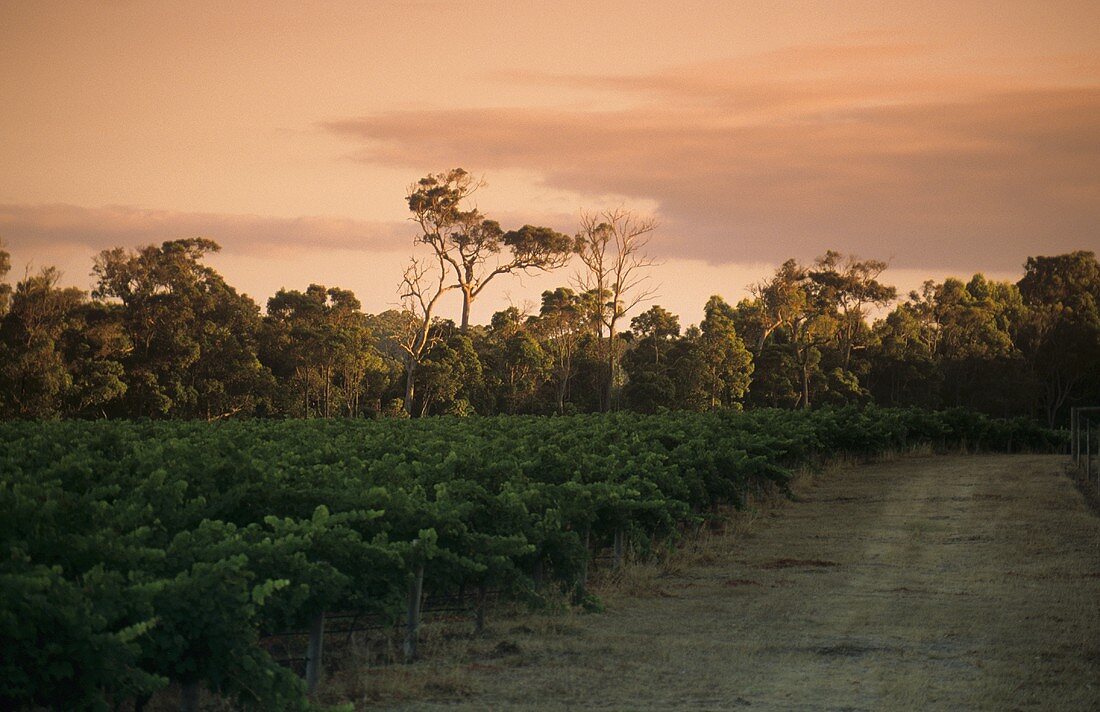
(366, 686)
(922, 583)
(453, 659)
(915, 583)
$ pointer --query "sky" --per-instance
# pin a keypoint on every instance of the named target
(945, 137)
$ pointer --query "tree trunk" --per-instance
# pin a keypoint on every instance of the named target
(327, 376)
(610, 383)
(467, 300)
(610, 368)
(305, 396)
(1057, 394)
(410, 374)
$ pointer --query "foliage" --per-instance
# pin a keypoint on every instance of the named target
(192, 338)
(464, 241)
(163, 336)
(135, 553)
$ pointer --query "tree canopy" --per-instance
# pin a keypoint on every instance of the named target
(163, 335)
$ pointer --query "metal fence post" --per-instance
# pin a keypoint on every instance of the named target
(1088, 445)
(1077, 438)
(1089, 475)
(1079, 418)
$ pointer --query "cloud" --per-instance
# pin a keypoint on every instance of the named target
(28, 227)
(811, 151)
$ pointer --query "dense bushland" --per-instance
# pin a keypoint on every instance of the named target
(164, 336)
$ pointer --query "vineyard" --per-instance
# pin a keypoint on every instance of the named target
(141, 554)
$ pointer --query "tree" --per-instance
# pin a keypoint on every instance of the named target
(778, 301)
(802, 309)
(903, 368)
(34, 375)
(516, 364)
(561, 326)
(649, 363)
(95, 346)
(982, 367)
(466, 241)
(1060, 335)
(194, 339)
(851, 285)
(655, 327)
(421, 288)
(612, 247)
(819, 315)
(448, 374)
(5, 288)
(388, 331)
(711, 367)
(320, 342)
(727, 364)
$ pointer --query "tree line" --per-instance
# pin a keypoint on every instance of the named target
(163, 335)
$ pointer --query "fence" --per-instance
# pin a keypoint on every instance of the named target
(459, 606)
(441, 605)
(1085, 441)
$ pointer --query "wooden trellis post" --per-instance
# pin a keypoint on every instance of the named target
(479, 619)
(315, 651)
(412, 617)
(189, 697)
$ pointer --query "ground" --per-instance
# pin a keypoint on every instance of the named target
(961, 582)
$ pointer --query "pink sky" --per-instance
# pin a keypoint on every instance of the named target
(945, 137)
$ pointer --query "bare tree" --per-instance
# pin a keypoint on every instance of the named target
(421, 287)
(612, 247)
(466, 241)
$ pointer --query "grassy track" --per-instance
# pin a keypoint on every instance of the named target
(927, 583)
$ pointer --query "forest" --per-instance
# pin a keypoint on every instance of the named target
(162, 335)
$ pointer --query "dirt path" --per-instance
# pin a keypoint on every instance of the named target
(932, 583)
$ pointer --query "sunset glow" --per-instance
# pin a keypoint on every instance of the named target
(945, 137)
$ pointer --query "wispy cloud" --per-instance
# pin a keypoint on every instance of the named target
(26, 227)
(823, 147)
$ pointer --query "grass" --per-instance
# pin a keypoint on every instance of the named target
(453, 658)
(922, 583)
(914, 583)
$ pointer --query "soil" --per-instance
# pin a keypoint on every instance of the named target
(961, 582)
